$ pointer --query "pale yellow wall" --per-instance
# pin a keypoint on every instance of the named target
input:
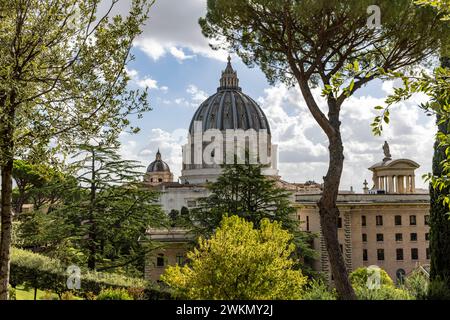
(355, 245)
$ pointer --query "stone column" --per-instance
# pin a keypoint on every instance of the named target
(391, 184)
(396, 184)
(403, 183)
(413, 184)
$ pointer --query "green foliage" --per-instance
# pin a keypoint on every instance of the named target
(359, 277)
(114, 294)
(441, 5)
(438, 290)
(63, 81)
(101, 227)
(383, 293)
(318, 290)
(38, 271)
(12, 293)
(156, 291)
(386, 291)
(417, 284)
(243, 190)
(239, 262)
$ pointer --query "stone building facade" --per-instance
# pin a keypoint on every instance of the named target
(387, 230)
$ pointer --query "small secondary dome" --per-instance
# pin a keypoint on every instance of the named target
(158, 165)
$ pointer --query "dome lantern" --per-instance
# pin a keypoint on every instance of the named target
(229, 79)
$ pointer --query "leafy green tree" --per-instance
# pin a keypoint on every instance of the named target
(244, 191)
(239, 262)
(62, 79)
(26, 176)
(40, 184)
(115, 210)
(327, 44)
(439, 195)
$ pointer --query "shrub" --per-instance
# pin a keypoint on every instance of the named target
(158, 292)
(114, 294)
(137, 293)
(12, 293)
(318, 290)
(48, 295)
(240, 262)
(417, 285)
(383, 293)
(68, 296)
(438, 290)
(359, 277)
(386, 291)
(38, 271)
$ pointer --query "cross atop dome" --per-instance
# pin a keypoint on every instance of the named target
(158, 155)
(229, 79)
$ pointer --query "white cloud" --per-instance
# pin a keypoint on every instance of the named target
(179, 54)
(197, 95)
(147, 83)
(150, 47)
(303, 153)
(173, 28)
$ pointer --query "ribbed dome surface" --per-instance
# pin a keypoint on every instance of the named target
(158, 165)
(229, 108)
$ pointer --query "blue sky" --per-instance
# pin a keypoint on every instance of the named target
(174, 60)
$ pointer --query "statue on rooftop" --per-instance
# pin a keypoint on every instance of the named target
(387, 153)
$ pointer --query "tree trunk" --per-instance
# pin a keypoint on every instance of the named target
(6, 160)
(329, 214)
(328, 210)
(92, 228)
(439, 221)
(6, 228)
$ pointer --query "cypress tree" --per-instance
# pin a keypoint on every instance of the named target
(439, 220)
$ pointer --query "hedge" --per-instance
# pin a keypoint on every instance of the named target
(41, 272)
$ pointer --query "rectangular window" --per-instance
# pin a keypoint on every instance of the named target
(414, 253)
(413, 236)
(427, 219)
(412, 220)
(398, 237)
(428, 253)
(399, 254)
(365, 255)
(307, 223)
(364, 237)
(427, 236)
(363, 221)
(180, 259)
(341, 247)
(380, 237)
(160, 260)
(339, 222)
(380, 254)
(398, 220)
(379, 220)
